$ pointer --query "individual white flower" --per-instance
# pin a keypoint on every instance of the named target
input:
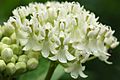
(75, 69)
(63, 55)
(32, 43)
(21, 35)
(47, 48)
(82, 55)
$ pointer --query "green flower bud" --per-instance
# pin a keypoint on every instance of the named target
(6, 40)
(2, 46)
(16, 49)
(32, 63)
(2, 65)
(33, 54)
(7, 54)
(14, 59)
(10, 68)
(8, 30)
(23, 58)
(13, 38)
(20, 67)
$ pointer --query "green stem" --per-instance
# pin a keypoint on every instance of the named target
(51, 70)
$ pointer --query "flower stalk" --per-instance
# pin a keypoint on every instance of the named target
(51, 70)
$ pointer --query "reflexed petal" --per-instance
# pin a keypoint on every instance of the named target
(114, 44)
(82, 74)
(54, 58)
(108, 62)
(45, 53)
(69, 56)
(74, 74)
(45, 49)
(23, 41)
(62, 58)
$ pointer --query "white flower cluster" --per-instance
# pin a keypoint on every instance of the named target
(63, 32)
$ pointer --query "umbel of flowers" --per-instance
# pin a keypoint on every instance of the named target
(62, 32)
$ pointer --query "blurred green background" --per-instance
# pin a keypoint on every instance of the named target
(109, 13)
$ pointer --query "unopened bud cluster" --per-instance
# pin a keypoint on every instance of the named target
(63, 32)
(13, 60)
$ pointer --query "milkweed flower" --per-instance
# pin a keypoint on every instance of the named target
(63, 32)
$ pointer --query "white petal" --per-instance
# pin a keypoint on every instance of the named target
(53, 51)
(27, 47)
(52, 48)
(54, 58)
(103, 57)
(67, 39)
(82, 74)
(21, 34)
(109, 33)
(61, 34)
(37, 47)
(45, 50)
(114, 44)
(45, 53)
(96, 53)
(106, 53)
(62, 59)
(85, 58)
(15, 12)
(61, 56)
(83, 68)
(108, 62)
(69, 56)
(23, 41)
(85, 27)
(109, 40)
(74, 75)
(79, 46)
